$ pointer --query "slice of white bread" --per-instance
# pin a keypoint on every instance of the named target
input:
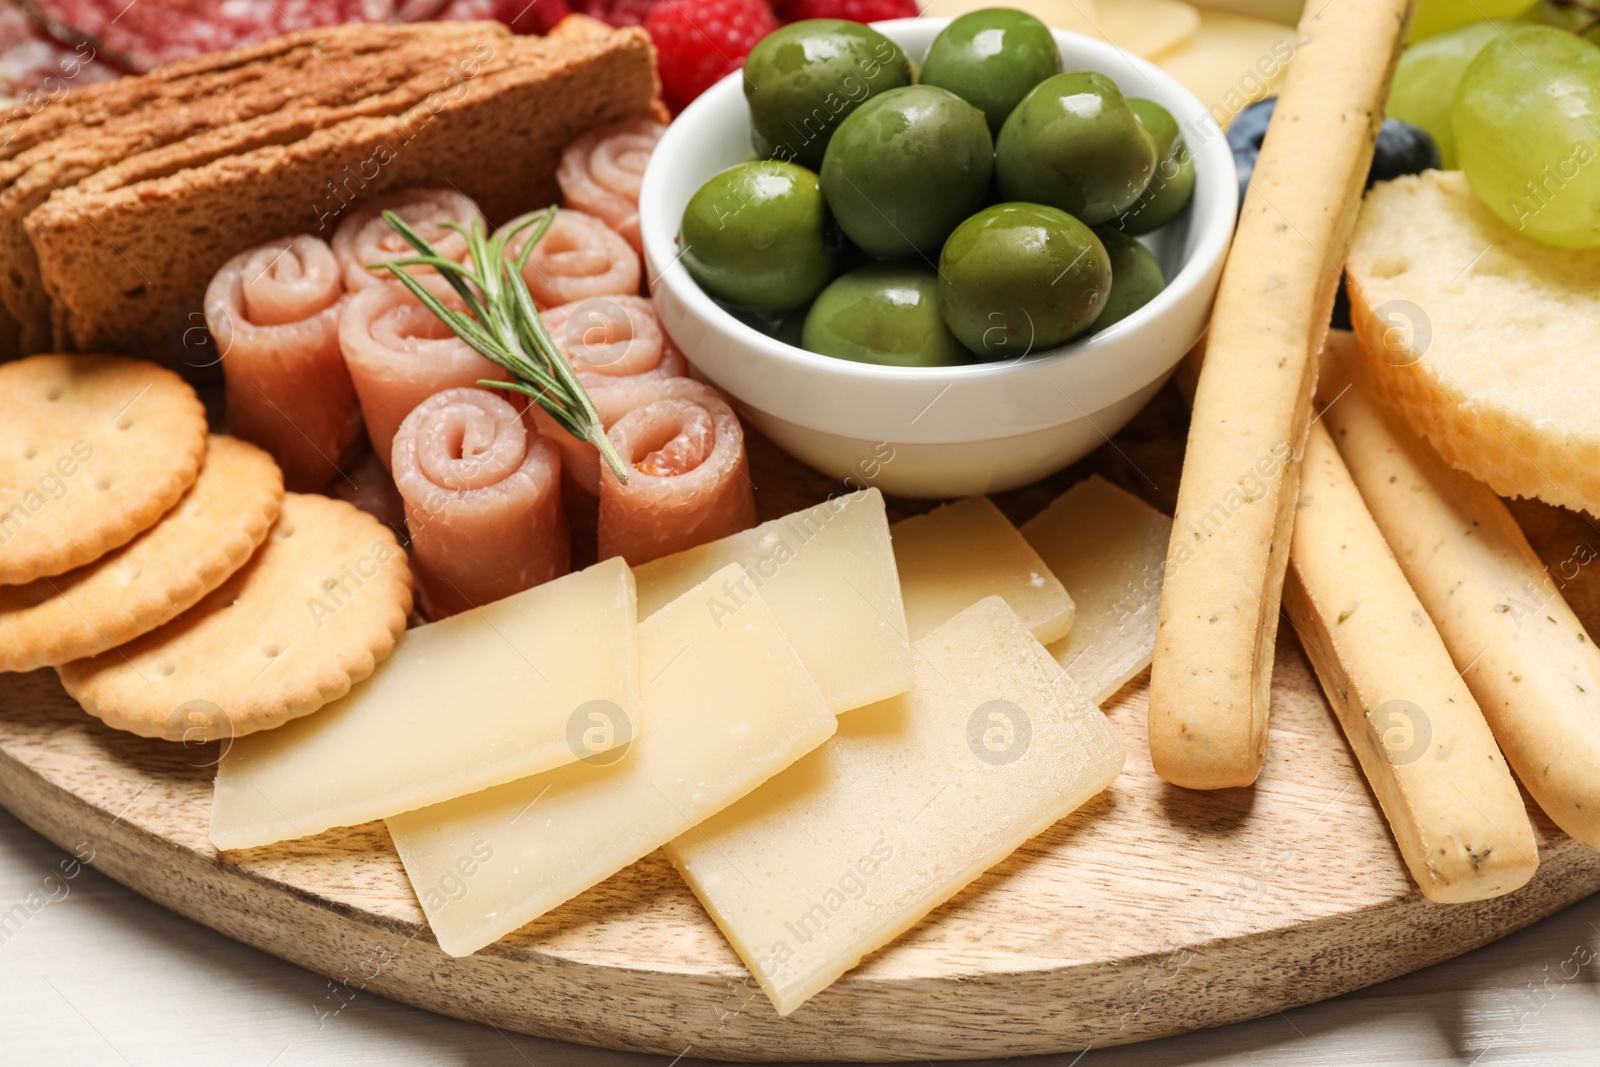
(1487, 340)
(125, 265)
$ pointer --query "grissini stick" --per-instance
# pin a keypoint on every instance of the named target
(1525, 656)
(1212, 670)
(1422, 741)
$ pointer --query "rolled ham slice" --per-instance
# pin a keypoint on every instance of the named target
(365, 238)
(399, 354)
(600, 173)
(578, 257)
(688, 475)
(610, 339)
(482, 498)
(274, 314)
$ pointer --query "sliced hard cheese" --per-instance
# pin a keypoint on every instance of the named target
(468, 702)
(955, 555)
(1146, 28)
(1231, 61)
(726, 705)
(828, 575)
(1423, 744)
(1107, 546)
(1527, 659)
(913, 799)
(1212, 670)
(1079, 16)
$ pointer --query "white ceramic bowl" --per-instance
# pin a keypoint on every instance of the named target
(942, 431)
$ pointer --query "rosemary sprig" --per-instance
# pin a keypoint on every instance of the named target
(501, 324)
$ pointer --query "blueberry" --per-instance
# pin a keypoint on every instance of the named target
(1249, 128)
(1402, 149)
(1244, 162)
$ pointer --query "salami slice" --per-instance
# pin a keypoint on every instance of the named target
(144, 35)
(523, 16)
(34, 67)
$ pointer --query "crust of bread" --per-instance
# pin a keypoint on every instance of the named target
(106, 256)
(1483, 338)
(280, 97)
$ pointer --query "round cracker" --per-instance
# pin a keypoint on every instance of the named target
(157, 576)
(93, 449)
(318, 606)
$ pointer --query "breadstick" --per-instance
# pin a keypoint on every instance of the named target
(1421, 740)
(1522, 652)
(1212, 673)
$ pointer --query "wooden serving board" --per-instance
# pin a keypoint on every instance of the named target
(1151, 911)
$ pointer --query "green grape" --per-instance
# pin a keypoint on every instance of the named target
(1562, 14)
(1425, 81)
(1436, 16)
(1527, 124)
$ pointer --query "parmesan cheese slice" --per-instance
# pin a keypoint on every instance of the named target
(1231, 61)
(1212, 671)
(1524, 655)
(1422, 742)
(475, 700)
(1107, 546)
(915, 797)
(828, 574)
(957, 554)
(726, 705)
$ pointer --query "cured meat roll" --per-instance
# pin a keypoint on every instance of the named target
(274, 314)
(482, 498)
(610, 339)
(399, 354)
(688, 474)
(600, 173)
(578, 257)
(365, 238)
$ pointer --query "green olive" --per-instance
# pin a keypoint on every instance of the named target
(1019, 278)
(991, 59)
(1173, 182)
(883, 313)
(906, 168)
(1135, 277)
(1074, 143)
(756, 236)
(802, 80)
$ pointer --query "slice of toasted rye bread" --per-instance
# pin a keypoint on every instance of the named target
(44, 117)
(127, 265)
(1484, 338)
(271, 102)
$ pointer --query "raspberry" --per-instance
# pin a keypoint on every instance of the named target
(699, 41)
(854, 10)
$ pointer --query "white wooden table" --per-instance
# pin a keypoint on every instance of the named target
(92, 974)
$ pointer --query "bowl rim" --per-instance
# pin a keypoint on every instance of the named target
(1211, 217)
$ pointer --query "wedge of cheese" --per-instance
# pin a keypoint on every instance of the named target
(1107, 546)
(1525, 656)
(914, 798)
(828, 574)
(475, 700)
(1211, 676)
(957, 554)
(1232, 60)
(1422, 742)
(726, 705)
